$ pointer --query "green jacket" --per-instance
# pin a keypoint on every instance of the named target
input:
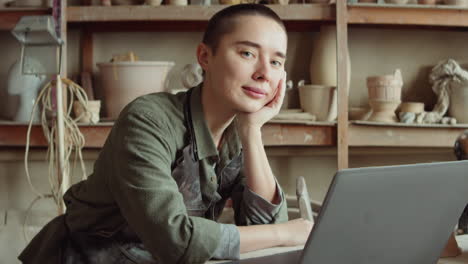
(132, 184)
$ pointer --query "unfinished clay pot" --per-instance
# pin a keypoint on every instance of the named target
(384, 96)
(319, 100)
(458, 107)
(412, 107)
(385, 87)
(88, 117)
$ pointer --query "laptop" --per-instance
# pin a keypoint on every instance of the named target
(384, 215)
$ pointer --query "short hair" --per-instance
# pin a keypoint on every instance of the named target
(222, 22)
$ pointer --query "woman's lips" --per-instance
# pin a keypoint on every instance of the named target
(254, 92)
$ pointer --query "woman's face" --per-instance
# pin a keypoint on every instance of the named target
(249, 63)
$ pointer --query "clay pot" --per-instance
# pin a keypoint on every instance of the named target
(122, 82)
(412, 107)
(89, 117)
(319, 100)
(385, 87)
(384, 96)
(458, 107)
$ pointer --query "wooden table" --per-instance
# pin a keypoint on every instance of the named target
(462, 242)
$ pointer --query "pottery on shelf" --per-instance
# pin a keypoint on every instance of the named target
(412, 107)
(458, 107)
(384, 96)
(323, 63)
(319, 100)
(88, 117)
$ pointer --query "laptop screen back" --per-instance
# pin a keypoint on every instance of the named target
(393, 214)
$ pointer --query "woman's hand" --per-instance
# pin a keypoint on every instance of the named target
(258, 119)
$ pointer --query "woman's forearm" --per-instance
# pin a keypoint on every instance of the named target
(258, 237)
(257, 169)
(291, 233)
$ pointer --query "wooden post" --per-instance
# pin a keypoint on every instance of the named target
(342, 82)
(61, 97)
(87, 51)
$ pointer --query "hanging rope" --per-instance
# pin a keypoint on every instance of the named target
(74, 139)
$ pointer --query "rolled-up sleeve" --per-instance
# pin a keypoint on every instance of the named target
(229, 245)
(252, 209)
(148, 197)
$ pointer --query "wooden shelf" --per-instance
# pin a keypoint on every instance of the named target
(293, 12)
(439, 15)
(14, 135)
(10, 16)
(400, 136)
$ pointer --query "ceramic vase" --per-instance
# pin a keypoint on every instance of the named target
(458, 107)
(323, 64)
(384, 96)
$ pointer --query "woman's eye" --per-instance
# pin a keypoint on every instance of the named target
(276, 63)
(247, 54)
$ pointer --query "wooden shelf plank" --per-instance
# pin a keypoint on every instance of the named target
(298, 135)
(407, 15)
(14, 135)
(293, 12)
(398, 136)
(10, 16)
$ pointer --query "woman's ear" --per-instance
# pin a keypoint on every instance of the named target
(203, 54)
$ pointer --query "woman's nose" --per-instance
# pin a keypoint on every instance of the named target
(262, 71)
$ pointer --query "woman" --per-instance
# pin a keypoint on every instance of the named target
(172, 161)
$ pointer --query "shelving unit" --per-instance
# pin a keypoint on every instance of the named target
(368, 135)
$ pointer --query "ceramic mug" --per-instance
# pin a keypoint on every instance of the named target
(319, 100)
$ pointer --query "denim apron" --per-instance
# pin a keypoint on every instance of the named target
(124, 247)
